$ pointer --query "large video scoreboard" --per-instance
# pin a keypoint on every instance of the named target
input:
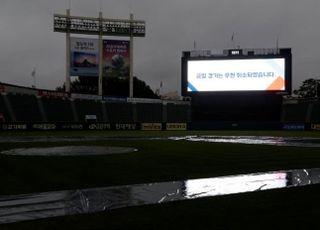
(237, 84)
(237, 71)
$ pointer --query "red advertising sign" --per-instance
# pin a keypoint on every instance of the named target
(116, 58)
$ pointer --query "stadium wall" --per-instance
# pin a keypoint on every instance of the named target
(78, 126)
(34, 109)
(28, 105)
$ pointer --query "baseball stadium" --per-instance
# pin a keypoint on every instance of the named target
(232, 151)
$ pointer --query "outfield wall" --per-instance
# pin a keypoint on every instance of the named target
(195, 126)
(77, 126)
(32, 106)
(28, 109)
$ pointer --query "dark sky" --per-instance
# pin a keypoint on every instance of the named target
(27, 39)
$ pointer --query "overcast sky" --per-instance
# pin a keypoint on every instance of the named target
(27, 39)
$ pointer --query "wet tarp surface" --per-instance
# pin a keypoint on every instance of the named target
(260, 140)
(58, 203)
(255, 140)
(69, 151)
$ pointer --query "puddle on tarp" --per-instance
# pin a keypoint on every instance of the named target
(69, 151)
(255, 140)
(17, 208)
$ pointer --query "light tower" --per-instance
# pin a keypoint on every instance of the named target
(101, 27)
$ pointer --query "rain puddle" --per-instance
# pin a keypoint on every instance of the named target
(69, 151)
(44, 205)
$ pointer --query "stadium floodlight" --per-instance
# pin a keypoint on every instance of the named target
(95, 26)
(102, 27)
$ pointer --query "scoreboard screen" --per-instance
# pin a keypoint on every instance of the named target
(236, 75)
(270, 73)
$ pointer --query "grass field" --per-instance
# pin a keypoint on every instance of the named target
(167, 160)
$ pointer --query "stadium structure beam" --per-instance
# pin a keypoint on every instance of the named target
(100, 80)
(131, 62)
(67, 82)
(95, 26)
(102, 27)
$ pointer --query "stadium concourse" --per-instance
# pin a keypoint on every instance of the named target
(22, 106)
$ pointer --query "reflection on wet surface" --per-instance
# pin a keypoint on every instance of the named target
(257, 140)
(69, 151)
(43, 205)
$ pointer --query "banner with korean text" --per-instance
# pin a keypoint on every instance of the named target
(116, 58)
(84, 57)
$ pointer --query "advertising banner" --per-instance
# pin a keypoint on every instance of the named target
(47, 93)
(84, 57)
(116, 58)
(315, 127)
(294, 126)
(176, 126)
(151, 126)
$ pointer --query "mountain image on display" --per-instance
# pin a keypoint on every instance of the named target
(86, 63)
(84, 60)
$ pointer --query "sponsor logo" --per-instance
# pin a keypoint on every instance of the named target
(44, 126)
(315, 126)
(14, 127)
(44, 93)
(115, 99)
(72, 126)
(294, 126)
(143, 100)
(85, 96)
(151, 126)
(126, 126)
(100, 126)
(176, 126)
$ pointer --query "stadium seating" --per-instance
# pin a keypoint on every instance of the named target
(315, 115)
(296, 112)
(119, 112)
(3, 110)
(177, 112)
(149, 112)
(58, 109)
(25, 107)
(88, 107)
(23, 104)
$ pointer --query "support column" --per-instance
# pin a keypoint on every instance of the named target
(100, 90)
(164, 112)
(41, 109)
(131, 60)
(67, 82)
(74, 111)
(309, 112)
(134, 112)
(189, 113)
(104, 111)
(9, 108)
